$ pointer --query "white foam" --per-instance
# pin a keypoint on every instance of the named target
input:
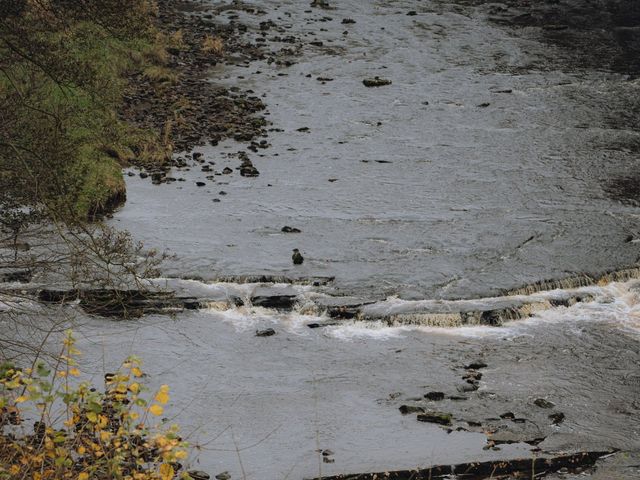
(617, 303)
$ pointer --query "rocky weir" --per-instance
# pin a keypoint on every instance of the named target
(157, 297)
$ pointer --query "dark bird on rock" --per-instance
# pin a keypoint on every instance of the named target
(297, 257)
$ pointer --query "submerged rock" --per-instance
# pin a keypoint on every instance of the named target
(476, 365)
(542, 403)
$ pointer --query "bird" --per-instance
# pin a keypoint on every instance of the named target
(297, 257)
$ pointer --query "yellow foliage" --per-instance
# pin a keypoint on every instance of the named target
(163, 395)
(100, 438)
(156, 409)
(166, 471)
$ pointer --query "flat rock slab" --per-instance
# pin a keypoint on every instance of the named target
(485, 470)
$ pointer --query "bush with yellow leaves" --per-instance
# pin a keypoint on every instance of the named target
(80, 433)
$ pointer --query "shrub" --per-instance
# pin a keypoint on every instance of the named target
(80, 433)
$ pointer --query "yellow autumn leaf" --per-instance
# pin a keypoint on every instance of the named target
(74, 371)
(83, 476)
(134, 388)
(181, 454)
(22, 399)
(102, 421)
(156, 409)
(166, 471)
(92, 417)
(163, 395)
(136, 372)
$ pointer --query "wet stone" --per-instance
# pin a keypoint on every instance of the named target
(199, 475)
(467, 388)
(15, 275)
(268, 332)
(407, 409)
(249, 171)
(542, 403)
(476, 366)
(434, 396)
(376, 82)
(435, 417)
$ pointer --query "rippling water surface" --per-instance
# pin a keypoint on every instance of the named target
(479, 190)
(484, 166)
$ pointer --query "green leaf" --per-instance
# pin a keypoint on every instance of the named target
(43, 370)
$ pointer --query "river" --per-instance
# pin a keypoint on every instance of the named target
(495, 159)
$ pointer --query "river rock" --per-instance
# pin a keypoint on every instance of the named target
(249, 171)
(297, 257)
(376, 82)
(407, 409)
(435, 417)
(557, 418)
(434, 396)
(467, 388)
(15, 275)
(198, 475)
(476, 365)
(542, 403)
(268, 332)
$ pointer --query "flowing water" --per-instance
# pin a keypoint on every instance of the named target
(486, 165)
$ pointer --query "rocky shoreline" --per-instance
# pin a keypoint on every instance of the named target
(189, 108)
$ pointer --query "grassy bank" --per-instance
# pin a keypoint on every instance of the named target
(63, 73)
